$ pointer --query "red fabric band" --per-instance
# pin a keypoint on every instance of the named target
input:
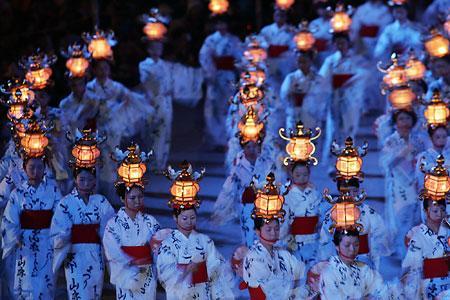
(248, 196)
(298, 99)
(321, 45)
(304, 225)
(224, 63)
(435, 267)
(363, 244)
(276, 50)
(36, 219)
(85, 234)
(369, 31)
(141, 253)
(199, 276)
(340, 79)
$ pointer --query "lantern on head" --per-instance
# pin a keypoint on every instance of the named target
(34, 141)
(395, 74)
(77, 60)
(185, 186)
(345, 212)
(250, 128)
(437, 45)
(249, 93)
(254, 52)
(218, 7)
(415, 69)
(349, 161)
(402, 97)
(341, 21)
(300, 147)
(100, 43)
(155, 25)
(284, 4)
(397, 2)
(254, 74)
(304, 39)
(269, 201)
(436, 112)
(436, 182)
(38, 69)
(19, 96)
(85, 150)
(132, 167)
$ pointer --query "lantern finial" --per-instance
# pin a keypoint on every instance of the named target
(85, 150)
(304, 39)
(77, 59)
(250, 127)
(100, 43)
(38, 67)
(34, 142)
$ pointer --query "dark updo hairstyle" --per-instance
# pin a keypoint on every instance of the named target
(340, 233)
(300, 163)
(259, 222)
(26, 158)
(76, 171)
(178, 210)
(432, 129)
(397, 113)
(122, 189)
(341, 35)
(310, 54)
(426, 203)
(346, 183)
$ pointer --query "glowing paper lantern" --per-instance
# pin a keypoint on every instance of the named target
(269, 202)
(300, 147)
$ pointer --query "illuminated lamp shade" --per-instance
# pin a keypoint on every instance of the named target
(269, 202)
(38, 69)
(155, 31)
(256, 76)
(254, 52)
(16, 111)
(304, 40)
(437, 112)
(349, 161)
(341, 21)
(437, 181)
(250, 127)
(100, 44)
(415, 69)
(300, 147)
(132, 169)
(437, 45)
(218, 7)
(402, 97)
(86, 151)
(284, 4)
(77, 66)
(39, 78)
(23, 94)
(395, 76)
(345, 214)
(250, 94)
(34, 141)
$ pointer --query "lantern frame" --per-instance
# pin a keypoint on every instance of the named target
(436, 181)
(250, 93)
(341, 20)
(105, 39)
(132, 166)
(77, 59)
(436, 112)
(38, 69)
(218, 7)
(349, 159)
(402, 97)
(250, 127)
(436, 39)
(254, 52)
(300, 146)
(85, 150)
(155, 25)
(396, 75)
(269, 201)
(343, 204)
(34, 142)
(414, 69)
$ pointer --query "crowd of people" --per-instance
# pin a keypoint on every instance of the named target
(59, 186)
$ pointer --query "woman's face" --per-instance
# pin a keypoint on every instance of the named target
(270, 232)
(404, 122)
(186, 220)
(300, 175)
(439, 137)
(348, 247)
(102, 70)
(85, 182)
(34, 169)
(435, 213)
(134, 199)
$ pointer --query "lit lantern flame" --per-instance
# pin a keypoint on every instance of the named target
(300, 147)
(254, 52)
(269, 201)
(185, 186)
(132, 169)
(304, 39)
(437, 181)
(100, 44)
(250, 128)
(16, 111)
(38, 69)
(437, 45)
(20, 95)
(437, 112)
(415, 69)
(402, 97)
(395, 74)
(341, 21)
(34, 140)
(154, 28)
(349, 161)
(250, 94)
(218, 7)
(77, 62)
(284, 4)
(345, 212)
(85, 150)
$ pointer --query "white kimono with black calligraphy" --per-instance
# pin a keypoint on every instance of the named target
(178, 249)
(131, 281)
(34, 278)
(277, 275)
(83, 262)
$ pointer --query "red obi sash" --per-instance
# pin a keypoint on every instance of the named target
(143, 254)
(321, 45)
(199, 276)
(369, 31)
(363, 244)
(255, 293)
(224, 62)
(276, 50)
(435, 267)
(248, 196)
(85, 234)
(340, 79)
(298, 99)
(304, 225)
(36, 219)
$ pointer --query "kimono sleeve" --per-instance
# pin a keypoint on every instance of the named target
(107, 213)
(329, 286)
(326, 248)
(375, 285)
(383, 43)
(224, 206)
(254, 271)
(205, 58)
(11, 232)
(379, 236)
(412, 266)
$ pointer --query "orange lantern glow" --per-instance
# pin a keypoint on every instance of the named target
(38, 69)
(15, 111)
(300, 147)
(345, 212)
(132, 169)
(304, 39)
(415, 69)
(154, 28)
(250, 94)
(341, 21)
(436, 182)
(85, 150)
(218, 7)
(185, 186)
(284, 4)
(437, 45)
(402, 97)
(395, 74)
(34, 140)
(77, 62)
(100, 44)
(437, 112)
(269, 201)
(349, 161)
(250, 128)
(254, 52)
(254, 75)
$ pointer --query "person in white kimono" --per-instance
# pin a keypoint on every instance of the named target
(127, 246)
(217, 56)
(343, 277)
(373, 239)
(279, 38)
(398, 162)
(270, 272)
(321, 29)
(440, 146)
(26, 235)
(304, 210)
(425, 263)
(345, 78)
(398, 36)
(436, 12)
(189, 265)
(77, 227)
(157, 79)
(303, 95)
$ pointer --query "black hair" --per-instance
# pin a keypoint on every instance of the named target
(300, 164)
(432, 129)
(76, 171)
(122, 189)
(96, 62)
(346, 183)
(177, 211)
(410, 113)
(259, 222)
(26, 158)
(340, 233)
(308, 54)
(426, 203)
(341, 35)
